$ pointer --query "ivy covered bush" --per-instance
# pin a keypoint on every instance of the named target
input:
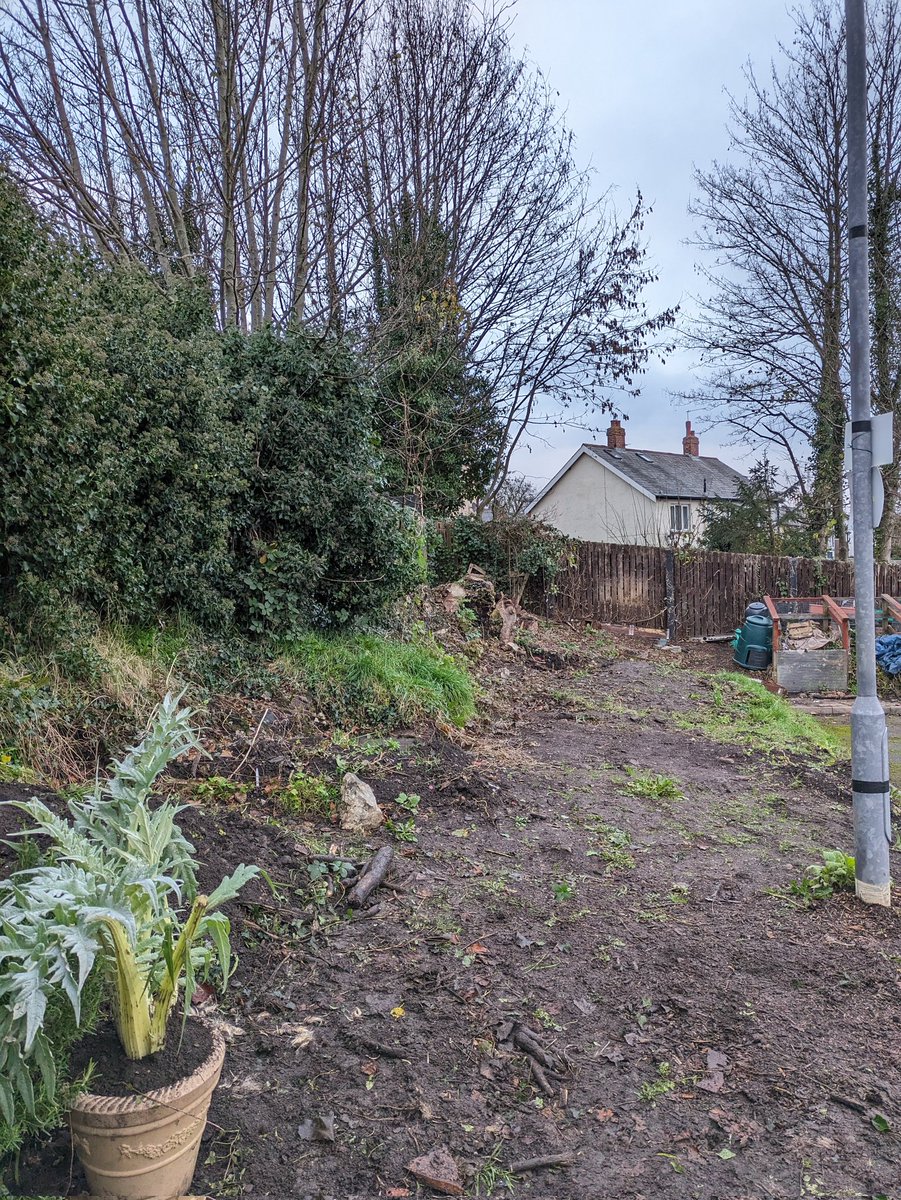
(153, 464)
(512, 550)
(316, 543)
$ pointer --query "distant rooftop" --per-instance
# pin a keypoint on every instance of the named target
(673, 476)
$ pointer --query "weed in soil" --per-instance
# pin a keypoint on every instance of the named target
(651, 786)
(307, 796)
(651, 1090)
(821, 880)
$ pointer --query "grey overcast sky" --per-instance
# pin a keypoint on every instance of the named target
(644, 85)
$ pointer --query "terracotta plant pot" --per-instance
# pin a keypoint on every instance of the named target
(146, 1148)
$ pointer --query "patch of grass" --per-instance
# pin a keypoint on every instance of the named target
(603, 642)
(361, 753)
(653, 1089)
(744, 713)
(95, 684)
(619, 708)
(573, 700)
(610, 844)
(491, 1176)
(361, 677)
(650, 786)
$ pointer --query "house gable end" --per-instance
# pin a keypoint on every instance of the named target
(586, 452)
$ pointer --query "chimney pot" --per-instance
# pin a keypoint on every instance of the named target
(690, 443)
(616, 435)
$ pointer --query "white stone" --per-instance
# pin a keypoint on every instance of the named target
(360, 812)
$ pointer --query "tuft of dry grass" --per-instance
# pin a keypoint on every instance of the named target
(63, 711)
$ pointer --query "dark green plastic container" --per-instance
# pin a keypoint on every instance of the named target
(754, 644)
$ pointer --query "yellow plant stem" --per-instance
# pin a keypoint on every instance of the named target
(169, 987)
(132, 1001)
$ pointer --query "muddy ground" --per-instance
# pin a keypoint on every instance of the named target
(557, 966)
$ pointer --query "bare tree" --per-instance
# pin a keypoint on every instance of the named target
(514, 496)
(268, 147)
(773, 336)
(187, 137)
(463, 132)
(885, 244)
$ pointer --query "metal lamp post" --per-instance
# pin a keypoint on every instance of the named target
(869, 736)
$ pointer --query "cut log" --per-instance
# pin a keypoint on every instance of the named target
(372, 876)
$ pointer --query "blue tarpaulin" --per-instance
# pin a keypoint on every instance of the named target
(888, 653)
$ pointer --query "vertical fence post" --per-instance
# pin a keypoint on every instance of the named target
(672, 622)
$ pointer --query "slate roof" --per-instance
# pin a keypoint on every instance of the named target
(673, 476)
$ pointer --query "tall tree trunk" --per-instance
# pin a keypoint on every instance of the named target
(225, 84)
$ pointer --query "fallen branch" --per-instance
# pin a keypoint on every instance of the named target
(333, 858)
(848, 1102)
(373, 874)
(547, 1160)
(253, 742)
(539, 1076)
(527, 1042)
(358, 1040)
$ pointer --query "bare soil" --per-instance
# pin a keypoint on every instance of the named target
(556, 966)
(114, 1075)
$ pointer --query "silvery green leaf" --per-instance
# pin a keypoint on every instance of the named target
(29, 1002)
(229, 888)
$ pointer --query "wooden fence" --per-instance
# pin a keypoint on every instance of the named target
(691, 593)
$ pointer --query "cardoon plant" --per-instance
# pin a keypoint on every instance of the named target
(118, 894)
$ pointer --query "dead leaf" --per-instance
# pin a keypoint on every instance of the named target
(300, 1035)
(438, 1170)
(204, 993)
(714, 1080)
(398, 1192)
(251, 1086)
(604, 1114)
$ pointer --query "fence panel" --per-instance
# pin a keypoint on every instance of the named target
(627, 585)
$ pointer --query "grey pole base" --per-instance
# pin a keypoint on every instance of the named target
(872, 806)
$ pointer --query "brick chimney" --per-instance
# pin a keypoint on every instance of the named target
(616, 436)
(690, 443)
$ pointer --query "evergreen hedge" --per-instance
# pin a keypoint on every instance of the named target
(153, 464)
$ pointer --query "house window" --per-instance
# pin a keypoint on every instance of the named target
(680, 518)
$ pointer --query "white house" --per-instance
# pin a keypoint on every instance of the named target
(635, 497)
